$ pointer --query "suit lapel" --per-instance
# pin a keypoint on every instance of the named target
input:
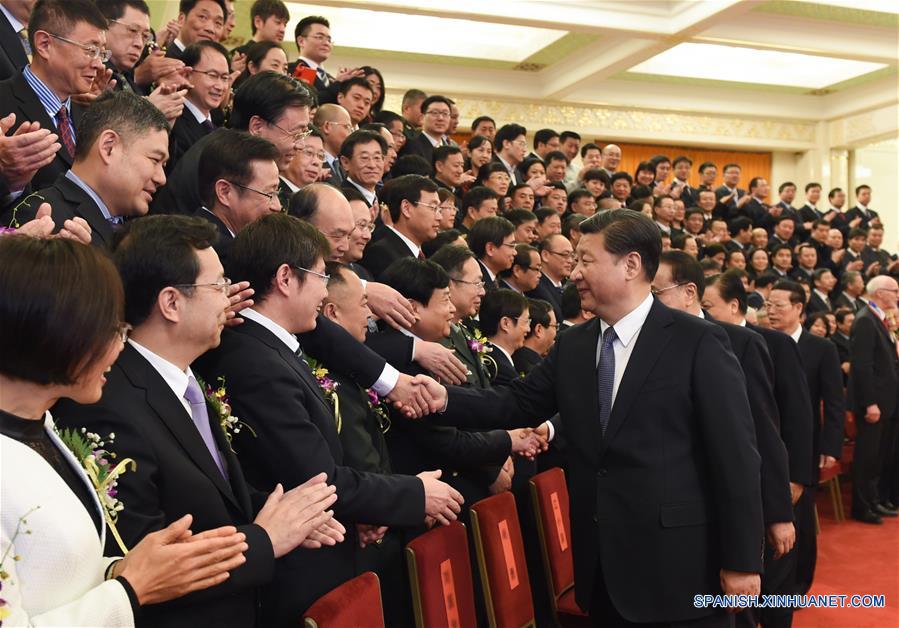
(87, 209)
(650, 346)
(584, 382)
(170, 411)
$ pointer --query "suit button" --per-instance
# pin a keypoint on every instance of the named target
(603, 473)
(455, 474)
(595, 519)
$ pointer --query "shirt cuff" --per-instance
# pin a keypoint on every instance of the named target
(386, 381)
(551, 430)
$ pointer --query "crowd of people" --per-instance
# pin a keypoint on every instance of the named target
(258, 332)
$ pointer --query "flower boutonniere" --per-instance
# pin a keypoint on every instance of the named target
(379, 407)
(99, 465)
(221, 403)
(478, 344)
(328, 386)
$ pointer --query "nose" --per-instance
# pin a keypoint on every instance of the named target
(159, 176)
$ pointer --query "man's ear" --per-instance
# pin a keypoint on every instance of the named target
(170, 304)
(329, 309)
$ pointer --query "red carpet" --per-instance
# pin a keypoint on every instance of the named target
(854, 558)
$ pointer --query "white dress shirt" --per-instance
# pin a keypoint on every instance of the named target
(627, 331)
(796, 333)
(412, 246)
(175, 378)
(199, 115)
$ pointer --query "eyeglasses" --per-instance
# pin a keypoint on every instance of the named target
(771, 305)
(511, 245)
(658, 291)
(364, 225)
(223, 285)
(434, 207)
(479, 284)
(271, 196)
(122, 330)
(312, 153)
(539, 269)
(321, 37)
(438, 114)
(322, 276)
(298, 136)
(568, 256)
(92, 51)
(135, 31)
(347, 125)
(216, 77)
(517, 318)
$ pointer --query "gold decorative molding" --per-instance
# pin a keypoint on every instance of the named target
(864, 127)
(637, 124)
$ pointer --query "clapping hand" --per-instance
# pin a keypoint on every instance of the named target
(42, 226)
(301, 516)
(102, 82)
(24, 152)
(239, 297)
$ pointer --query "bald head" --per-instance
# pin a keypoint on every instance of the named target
(611, 157)
(326, 209)
(334, 123)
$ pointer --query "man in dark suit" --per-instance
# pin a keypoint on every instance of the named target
(210, 68)
(155, 405)
(540, 337)
(14, 46)
(42, 91)
(868, 216)
(756, 208)
(313, 38)
(852, 288)
(557, 257)
(821, 366)
(842, 338)
(725, 298)
(415, 213)
(874, 387)
(731, 200)
(873, 253)
(823, 282)
(262, 96)
(199, 19)
(492, 240)
(435, 125)
(643, 553)
(511, 145)
(294, 425)
(118, 166)
(362, 156)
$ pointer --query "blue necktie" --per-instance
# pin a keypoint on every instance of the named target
(606, 375)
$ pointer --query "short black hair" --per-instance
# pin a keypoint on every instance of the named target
(730, 286)
(129, 115)
(797, 292)
(51, 331)
(361, 137)
(738, 224)
(572, 222)
(681, 159)
(412, 95)
(754, 182)
(659, 159)
(155, 253)
(820, 272)
(848, 277)
(476, 196)
(543, 136)
(571, 301)
(60, 17)
(430, 100)
(405, 188)
(731, 165)
(257, 51)
(442, 153)
(621, 175)
(783, 186)
(355, 81)
(507, 133)
(857, 232)
(115, 9)
(646, 166)
(539, 311)
(597, 174)
(193, 53)
(410, 164)
(862, 187)
(833, 193)
(230, 155)
(477, 121)
(626, 232)
(443, 240)
(498, 304)
(522, 258)
(265, 244)
(765, 280)
(812, 186)
(518, 216)
(266, 9)
(577, 195)
(452, 257)
(415, 279)
(493, 230)
(302, 27)
(684, 269)
(545, 212)
(706, 165)
(186, 6)
(386, 117)
(569, 135)
(841, 314)
(586, 148)
(266, 95)
(555, 155)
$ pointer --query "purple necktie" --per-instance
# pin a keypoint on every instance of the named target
(199, 414)
(606, 376)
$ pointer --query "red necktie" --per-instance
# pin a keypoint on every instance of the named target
(66, 132)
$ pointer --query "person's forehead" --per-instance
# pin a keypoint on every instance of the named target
(210, 6)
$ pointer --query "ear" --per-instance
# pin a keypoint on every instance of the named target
(344, 162)
(223, 191)
(506, 324)
(170, 303)
(329, 310)
(633, 266)
(41, 44)
(281, 280)
(255, 125)
(406, 209)
(258, 22)
(416, 308)
(106, 144)
(181, 18)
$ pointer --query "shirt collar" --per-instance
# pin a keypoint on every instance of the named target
(48, 99)
(290, 185)
(742, 323)
(369, 196)
(507, 165)
(209, 211)
(504, 352)
(312, 64)
(823, 295)
(412, 246)
(282, 334)
(17, 26)
(175, 378)
(406, 332)
(179, 44)
(196, 111)
(849, 297)
(796, 333)
(631, 323)
(74, 178)
(865, 207)
(813, 206)
(489, 272)
(434, 143)
(876, 309)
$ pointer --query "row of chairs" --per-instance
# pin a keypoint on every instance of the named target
(440, 569)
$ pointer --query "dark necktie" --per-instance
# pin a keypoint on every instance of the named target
(66, 132)
(207, 124)
(200, 415)
(323, 76)
(336, 172)
(605, 371)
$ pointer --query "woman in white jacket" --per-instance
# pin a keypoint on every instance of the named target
(60, 330)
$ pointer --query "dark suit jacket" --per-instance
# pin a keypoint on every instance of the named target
(12, 53)
(325, 93)
(548, 292)
(68, 201)
(273, 392)
(728, 211)
(794, 418)
(421, 146)
(816, 304)
(661, 506)
(176, 475)
(825, 385)
(17, 97)
(526, 359)
(755, 211)
(506, 373)
(874, 371)
(181, 193)
(842, 344)
(381, 254)
(856, 212)
(185, 133)
(869, 256)
(172, 51)
(842, 300)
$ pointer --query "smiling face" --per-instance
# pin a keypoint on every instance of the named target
(66, 67)
(308, 290)
(134, 169)
(366, 165)
(466, 289)
(316, 44)
(361, 235)
(208, 91)
(275, 60)
(203, 313)
(347, 304)
(205, 21)
(282, 132)
(88, 387)
(435, 316)
(246, 204)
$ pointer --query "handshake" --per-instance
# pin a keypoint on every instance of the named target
(417, 396)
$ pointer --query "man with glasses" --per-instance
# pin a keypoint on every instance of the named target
(415, 212)
(334, 123)
(526, 270)
(492, 240)
(199, 20)
(306, 166)
(557, 258)
(118, 166)
(509, 148)
(362, 159)
(435, 123)
(67, 39)
(210, 70)
(313, 38)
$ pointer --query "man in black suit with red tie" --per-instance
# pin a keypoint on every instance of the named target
(874, 388)
(660, 511)
(415, 212)
(176, 297)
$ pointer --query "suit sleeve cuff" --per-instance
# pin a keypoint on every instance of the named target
(386, 381)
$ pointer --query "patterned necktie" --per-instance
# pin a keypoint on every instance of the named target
(23, 35)
(200, 415)
(66, 132)
(606, 374)
(323, 76)
(208, 125)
